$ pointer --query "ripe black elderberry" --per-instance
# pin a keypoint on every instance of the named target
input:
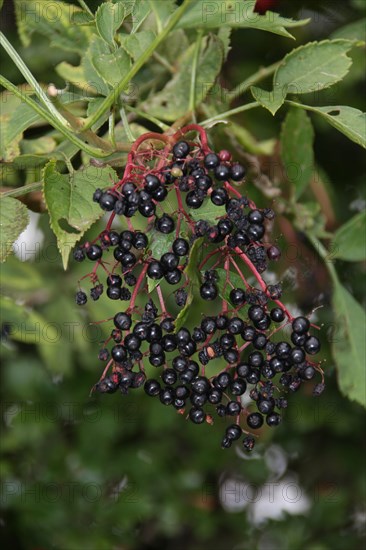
(214, 261)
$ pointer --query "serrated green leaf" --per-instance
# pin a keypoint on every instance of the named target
(348, 120)
(97, 47)
(136, 44)
(112, 67)
(108, 18)
(349, 242)
(53, 20)
(208, 212)
(309, 68)
(70, 204)
(14, 219)
(349, 345)
(212, 15)
(297, 154)
(82, 18)
(271, 101)
(139, 10)
(173, 101)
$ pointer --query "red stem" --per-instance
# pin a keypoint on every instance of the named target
(257, 275)
(161, 300)
(137, 286)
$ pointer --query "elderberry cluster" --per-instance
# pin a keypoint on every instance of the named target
(233, 363)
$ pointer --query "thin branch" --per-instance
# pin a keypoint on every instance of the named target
(230, 113)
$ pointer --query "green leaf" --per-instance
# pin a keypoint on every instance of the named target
(25, 324)
(69, 202)
(212, 15)
(74, 75)
(139, 10)
(97, 48)
(21, 277)
(112, 67)
(353, 31)
(297, 154)
(108, 18)
(14, 219)
(235, 280)
(208, 212)
(349, 345)
(271, 101)
(173, 101)
(349, 242)
(53, 20)
(193, 276)
(38, 146)
(158, 244)
(9, 143)
(248, 141)
(162, 11)
(82, 18)
(348, 120)
(309, 68)
(136, 44)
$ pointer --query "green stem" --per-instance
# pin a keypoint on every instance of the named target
(85, 7)
(151, 118)
(192, 93)
(111, 128)
(110, 99)
(253, 79)
(52, 121)
(20, 191)
(227, 114)
(76, 124)
(42, 96)
(324, 254)
(126, 126)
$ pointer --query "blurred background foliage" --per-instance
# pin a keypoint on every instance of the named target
(124, 472)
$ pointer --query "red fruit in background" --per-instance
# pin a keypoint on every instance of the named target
(262, 6)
